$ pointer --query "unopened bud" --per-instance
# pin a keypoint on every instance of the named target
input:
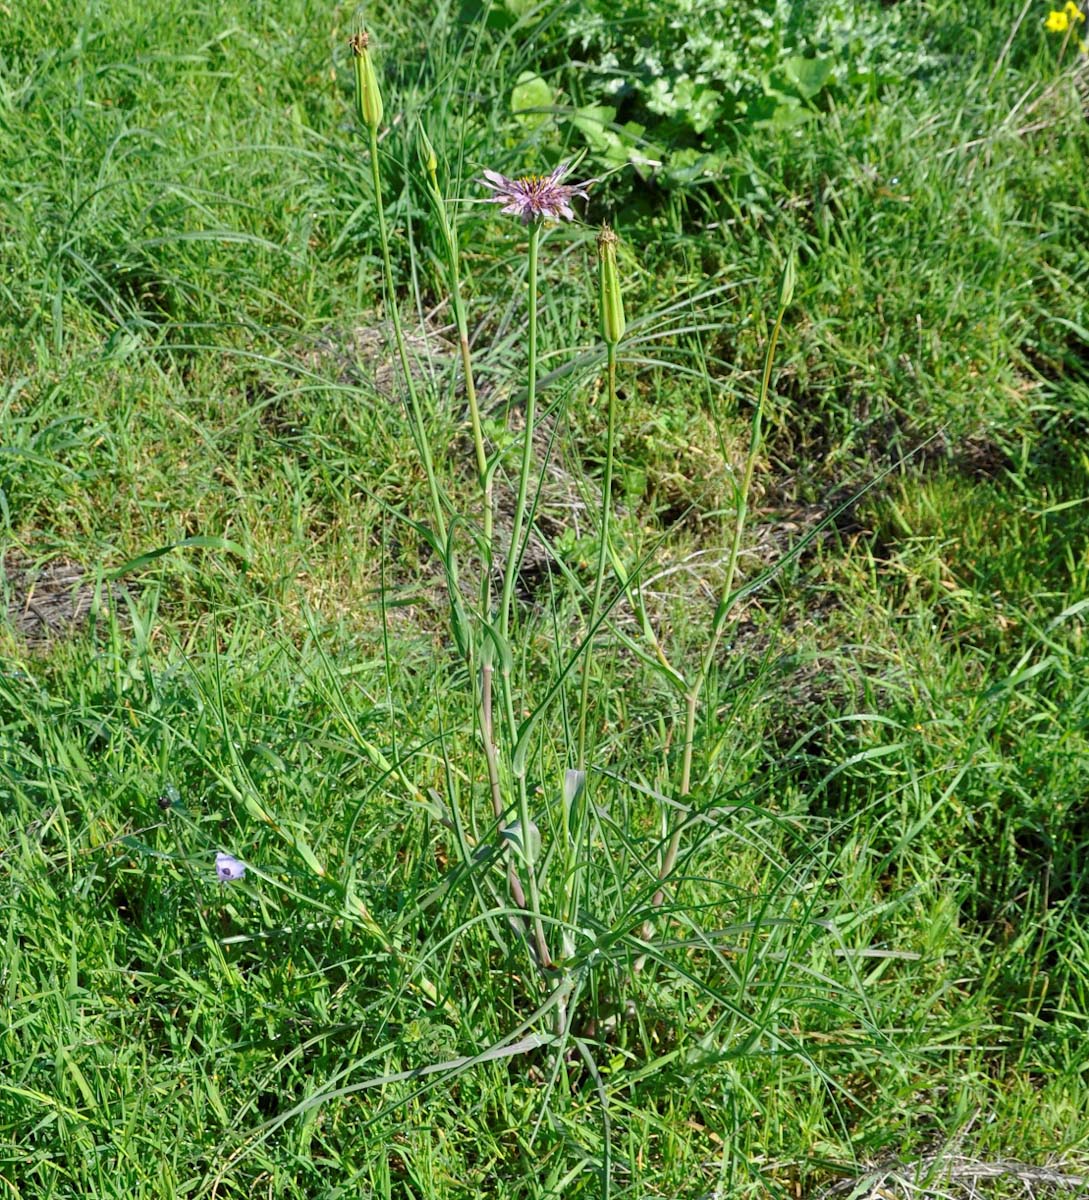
(786, 283)
(427, 154)
(611, 301)
(368, 97)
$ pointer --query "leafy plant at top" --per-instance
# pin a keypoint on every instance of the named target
(681, 84)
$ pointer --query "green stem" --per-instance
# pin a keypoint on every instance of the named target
(602, 552)
(483, 696)
(506, 600)
(484, 478)
(513, 552)
(755, 437)
(453, 262)
(672, 850)
(420, 429)
(534, 905)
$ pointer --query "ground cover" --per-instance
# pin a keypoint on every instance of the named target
(230, 627)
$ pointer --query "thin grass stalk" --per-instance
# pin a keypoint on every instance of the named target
(525, 825)
(491, 753)
(722, 612)
(514, 550)
(420, 429)
(370, 109)
(602, 551)
(483, 691)
(453, 264)
(484, 475)
(533, 908)
(507, 598)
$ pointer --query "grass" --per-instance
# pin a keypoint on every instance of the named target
(874, 945)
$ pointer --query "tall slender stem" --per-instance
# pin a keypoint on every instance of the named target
(420, 430)
(450, 240)
(484, 477)
(602, 552)
(514, 551)
(725, 604)
(487, 491)
(506, 599)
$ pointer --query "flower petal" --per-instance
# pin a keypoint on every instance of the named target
(228, 867)
(534, 196)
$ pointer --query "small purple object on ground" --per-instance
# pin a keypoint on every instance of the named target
(228, 867)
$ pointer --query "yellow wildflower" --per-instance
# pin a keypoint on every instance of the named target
(1072, 12)
(1057, 22)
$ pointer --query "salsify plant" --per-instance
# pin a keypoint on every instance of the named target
(562, 940)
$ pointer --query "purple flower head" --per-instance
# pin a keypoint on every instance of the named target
(228, 867)
(534, 196)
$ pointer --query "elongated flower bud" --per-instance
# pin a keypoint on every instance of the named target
(368, 97)
(611, 302)
(427, 155)
(786, 283)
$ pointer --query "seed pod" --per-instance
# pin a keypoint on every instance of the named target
(611, 301)
(368, 97)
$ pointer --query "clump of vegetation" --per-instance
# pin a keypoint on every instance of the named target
(580, 694)
(680, 87)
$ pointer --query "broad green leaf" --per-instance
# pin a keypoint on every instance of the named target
(807, 75)
(531, 92)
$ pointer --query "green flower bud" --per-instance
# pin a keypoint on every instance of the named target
(427, 154)
(368, 98)
(786, 283)
(611, 301)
